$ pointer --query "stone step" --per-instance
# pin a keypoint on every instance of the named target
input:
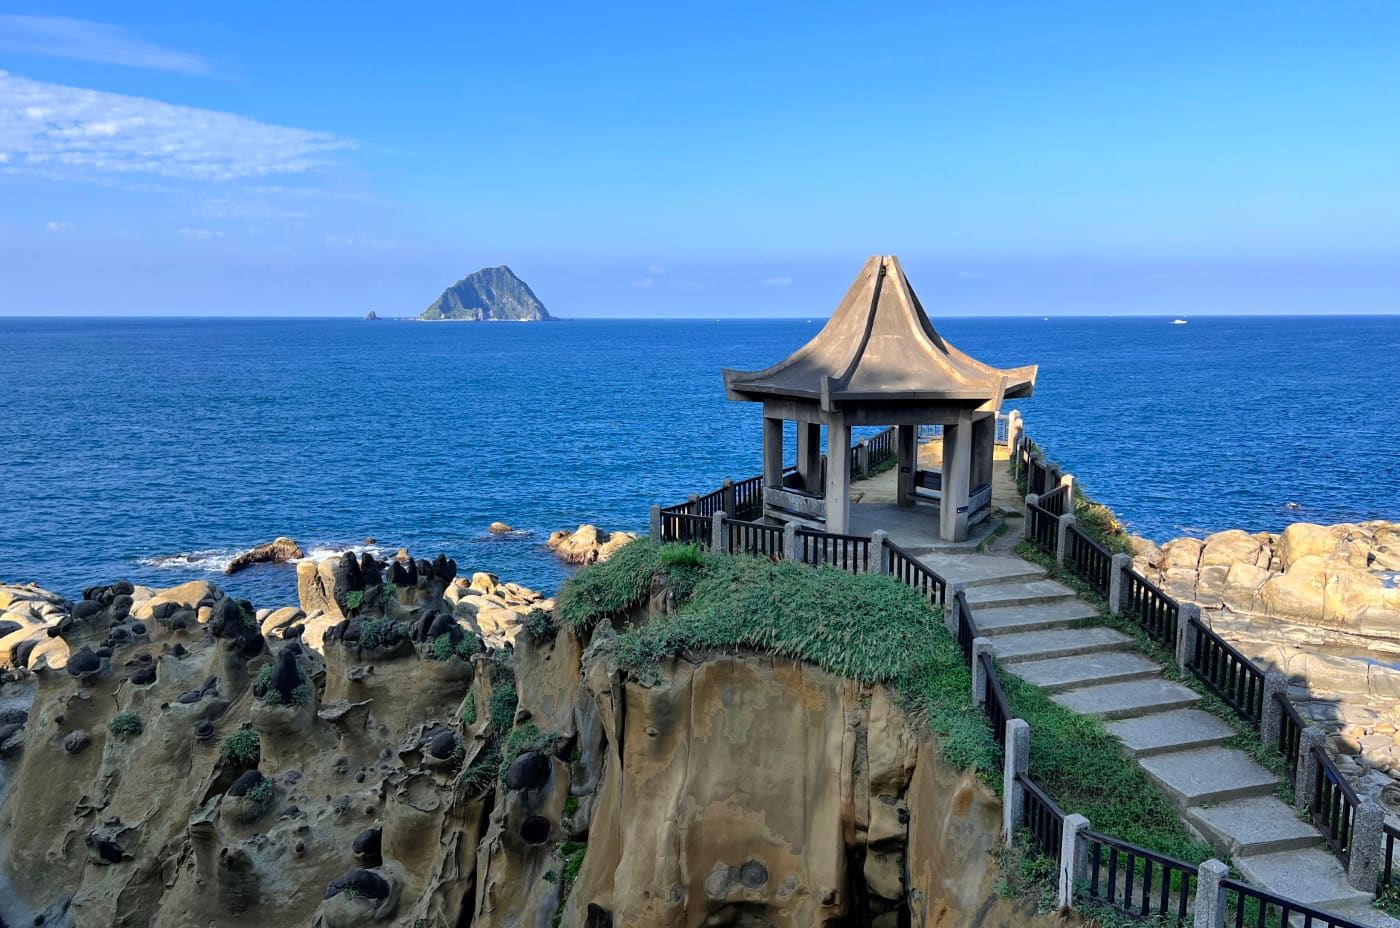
(1029, 646)
(1204, 775)
(1179, 730)
(1007, 619)
(1257, 825)
(1128, 699)
(1312, 875)
(973, 570)
(1063, 673)
(1360, 911)
(1023, 593)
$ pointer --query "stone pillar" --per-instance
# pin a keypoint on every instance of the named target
(984, 443)
(719, 536)
(907, 447)
(1031, 500)
(1017, 761)
(809, 455)
(1062, 539)
(1367, 846)
(1210, 899)
(1305, 780)
(790, 541)
(655, 531)
(1186, 636)
(950, 608)
(980, 646)
(731, 500)
(1118, 583)
(1271, 719)
(1074, 857)
(863, 457)
(957, 472)
(879, 554)
(772, 454)
(838, 475)
(1067, 480)
(1014, 431)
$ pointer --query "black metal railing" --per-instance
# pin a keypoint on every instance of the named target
(912, 572)
(1334, 805)
(1056, 501)
(880, 448)
(848, 552)
(1044, 820)
(755, 538)
(685, 528)
(1388, 862)
(1036, 474)
(1044, 527)
(709, 504)
(1251, 907)
(1137, 881)
(966, 628)
(1154, 610)
(994, 700)
(1290, 735)
(748, 498)
(1089, 560)
(1227, 673)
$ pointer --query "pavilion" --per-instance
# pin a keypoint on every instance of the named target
(879, 361)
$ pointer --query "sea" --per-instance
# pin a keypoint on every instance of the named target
(155, 449)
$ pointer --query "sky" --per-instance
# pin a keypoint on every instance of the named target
(705, 160)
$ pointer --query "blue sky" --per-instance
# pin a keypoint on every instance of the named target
(710, 160)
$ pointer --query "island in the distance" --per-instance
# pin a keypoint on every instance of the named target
(492, 294)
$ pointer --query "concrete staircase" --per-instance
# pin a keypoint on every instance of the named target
(1043, 633)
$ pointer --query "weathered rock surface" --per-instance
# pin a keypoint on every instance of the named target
(1318, 602)
(277, 551)
(587, 544)
(250, 779)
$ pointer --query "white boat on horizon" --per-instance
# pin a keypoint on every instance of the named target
(1178, 322)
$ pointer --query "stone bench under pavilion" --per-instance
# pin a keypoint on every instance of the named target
(879, 361)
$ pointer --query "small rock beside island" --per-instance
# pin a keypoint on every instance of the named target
(587, 544)
(277, 551)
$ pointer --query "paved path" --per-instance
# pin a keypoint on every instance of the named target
(1043, 633)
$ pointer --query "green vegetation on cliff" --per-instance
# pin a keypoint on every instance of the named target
(492, 294)
(873, 629)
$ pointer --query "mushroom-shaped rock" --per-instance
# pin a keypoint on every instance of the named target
(286, 677)
(86, 663)
(144, 675)
(247, 781)
(365, 883)
(442, 743)
(367, 844)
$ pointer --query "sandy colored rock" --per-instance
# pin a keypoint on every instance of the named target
(1181, 554)
(499, 528)
(587, 544)
(277, 551)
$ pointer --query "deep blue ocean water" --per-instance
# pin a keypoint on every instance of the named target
(128, 441)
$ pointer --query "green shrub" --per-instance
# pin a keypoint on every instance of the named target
(502, 705)
(482, 772)
(611, 588)
(353, 599)
(679, 555)
(468, 714)
(540, 626)
(246, 616)
(126, 723)
(243, 747)
(262, 793)
(390, 591)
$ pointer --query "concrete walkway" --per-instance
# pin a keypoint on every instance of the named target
(1043, 633)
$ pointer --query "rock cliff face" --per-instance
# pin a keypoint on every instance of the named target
(1319, 603)
(492, 294)
(178, 767)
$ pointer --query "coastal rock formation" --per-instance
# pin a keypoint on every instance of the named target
(492, 294)
(1319, 603)
(587, 544)
(278, 551)
(186, 769)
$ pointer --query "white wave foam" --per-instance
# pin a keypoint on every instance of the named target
(214, 560)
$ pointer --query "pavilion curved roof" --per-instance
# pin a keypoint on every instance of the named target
(880, 345)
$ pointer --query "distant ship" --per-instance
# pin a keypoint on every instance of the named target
(1178, 322)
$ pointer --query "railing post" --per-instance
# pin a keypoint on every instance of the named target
(879, 554)
(1074, 857)
(790, 541)
(1017, 761)
(719, 538)
(1210, 898)
(655, 531)
(1271, 720)
(1014, 430)
(1367, 846)
(693, 503)
(950, 608)
(1062, 538)
(1067, 480)
(863, 457)
(1118, 583)
(980, 646)
(1031, 500)
(1186, 635)
(731, 499)
(1305, 782)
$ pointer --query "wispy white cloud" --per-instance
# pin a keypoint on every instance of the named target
(83, 40)
(72, 133)
(644, 282)
(57, 226)
(656, 270)
(777, 281)
(200, 235)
